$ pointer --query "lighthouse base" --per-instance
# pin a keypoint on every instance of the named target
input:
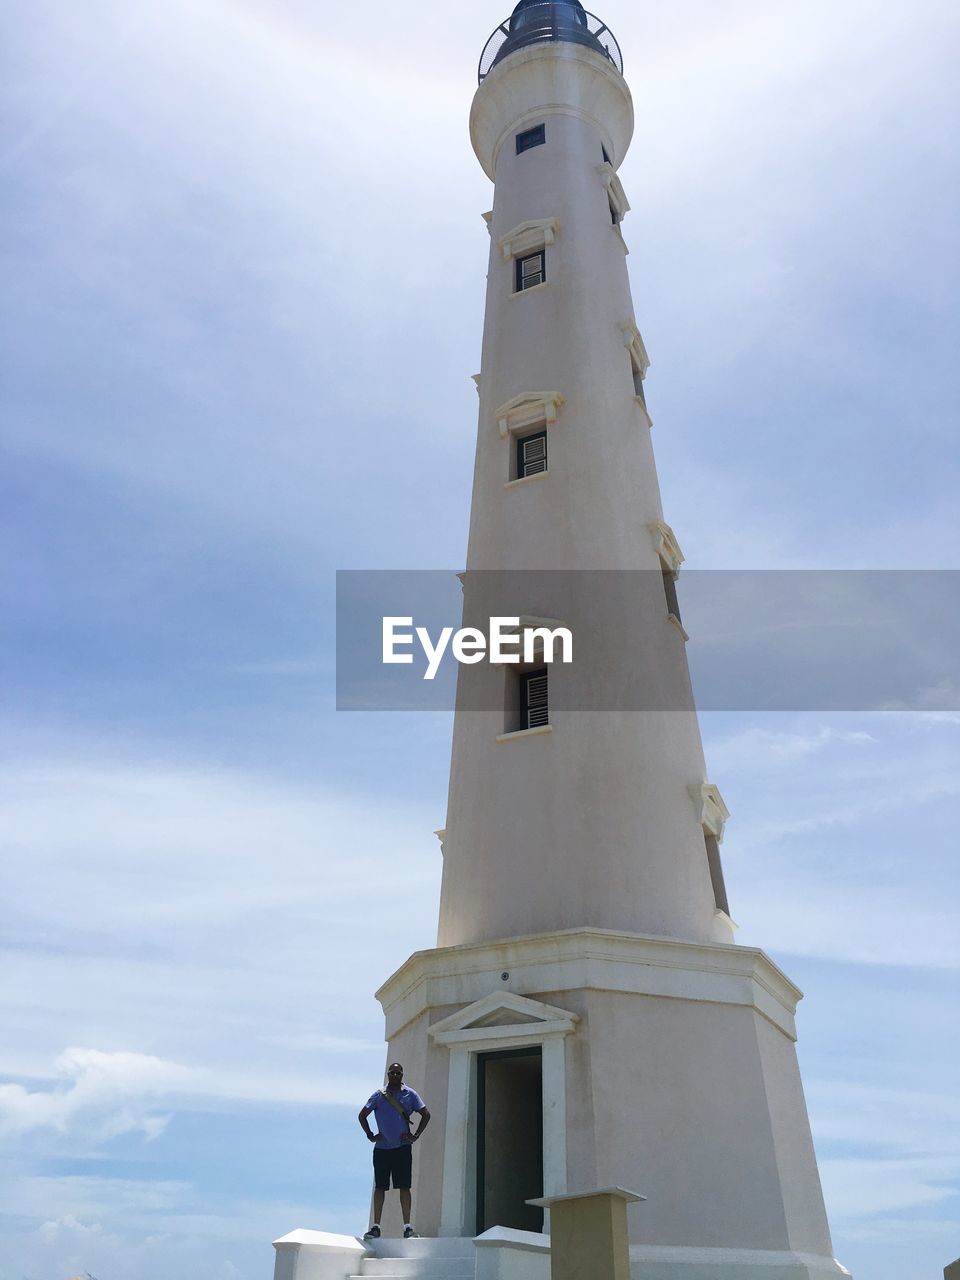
(520, 1255)
(517, 1255)
(662, 1065)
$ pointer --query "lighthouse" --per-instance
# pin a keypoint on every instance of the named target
(586, 1019)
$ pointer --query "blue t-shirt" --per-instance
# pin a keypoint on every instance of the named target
(389, 1120)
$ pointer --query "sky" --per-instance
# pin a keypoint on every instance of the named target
(244, 266)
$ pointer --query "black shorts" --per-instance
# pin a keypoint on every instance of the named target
(396, 1163)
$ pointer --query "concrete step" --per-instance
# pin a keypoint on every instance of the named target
(436, 1267)
(454, 1247)
(428, 1258)
(416, 1272)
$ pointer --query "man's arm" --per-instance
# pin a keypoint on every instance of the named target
(362, 1117)
(424, 1121)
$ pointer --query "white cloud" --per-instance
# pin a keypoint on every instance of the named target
(866, 1188)
(886, 1121)
(152, 908)
(156, 1210)
(106, 1094)
(127, 1230)
(757, 747)
(823, 853)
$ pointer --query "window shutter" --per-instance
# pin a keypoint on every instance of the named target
(716, 871)
(535, 711)
(530, 271)
(532, 455)
(670, 591)
(531, 138)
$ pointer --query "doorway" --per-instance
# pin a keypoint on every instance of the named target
(509, 1138)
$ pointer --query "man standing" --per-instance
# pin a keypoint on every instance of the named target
(393, 1153)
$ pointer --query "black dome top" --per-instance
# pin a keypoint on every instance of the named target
(530, 13)
(537, 21)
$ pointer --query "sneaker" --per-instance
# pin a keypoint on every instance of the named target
(409, 1234)
(373, 1233)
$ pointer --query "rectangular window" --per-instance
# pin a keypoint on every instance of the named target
(530, 271)
(532, 455)
(670, 591)
(535, 137)
(638, 387)
(716, 871)
(534, 711)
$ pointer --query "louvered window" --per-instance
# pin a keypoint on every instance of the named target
(531, 138)
(716, 870)
(670, 591)
(534, 711)
(532, 455)
(530, 271)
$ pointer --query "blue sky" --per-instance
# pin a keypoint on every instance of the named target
(244, 266)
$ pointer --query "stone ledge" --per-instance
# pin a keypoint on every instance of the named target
(597, 959)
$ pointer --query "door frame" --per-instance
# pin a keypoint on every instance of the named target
(481, 1059)
(464, 1034)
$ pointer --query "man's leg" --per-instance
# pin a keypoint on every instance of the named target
(378, 1204)
(405, 1202)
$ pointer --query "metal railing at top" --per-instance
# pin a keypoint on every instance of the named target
(538, 23)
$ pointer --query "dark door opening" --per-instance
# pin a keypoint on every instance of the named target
(509, 1139)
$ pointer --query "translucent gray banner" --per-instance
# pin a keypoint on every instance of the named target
(777, 640)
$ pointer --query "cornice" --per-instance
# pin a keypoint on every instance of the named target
(591, 959)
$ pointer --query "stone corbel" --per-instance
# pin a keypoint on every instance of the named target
(529, 409)
(634, 344)
(529, 236)
(712, 813)
(666, 546)
(615, 192)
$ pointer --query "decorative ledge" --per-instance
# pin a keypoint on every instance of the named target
(712, 813)
(515, 484)
(672, 618)
(642, 406)
(666, 546)
(529, 236)
(525, 733)
(615, 192)
(532, 288)
(530, 408)
(594, 959)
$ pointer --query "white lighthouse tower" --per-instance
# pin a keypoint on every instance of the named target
(586, 1019)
